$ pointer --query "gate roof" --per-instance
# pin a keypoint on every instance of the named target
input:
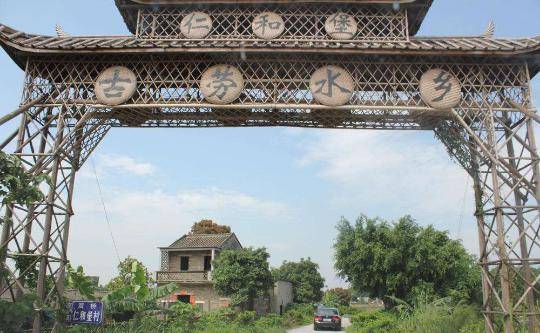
(416, 9)
(20, 46)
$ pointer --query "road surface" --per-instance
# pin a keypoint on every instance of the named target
(309, 328)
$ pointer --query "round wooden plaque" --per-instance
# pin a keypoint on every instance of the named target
(115, 85)
(331, 86)
(222, 84)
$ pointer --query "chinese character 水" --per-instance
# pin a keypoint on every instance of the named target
(326, 86)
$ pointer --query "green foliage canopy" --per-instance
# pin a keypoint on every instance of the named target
(242, 274)
(305, 277)
(209, 227)
(125, 274)
(17, 185)
(338, 296)
(404, 260)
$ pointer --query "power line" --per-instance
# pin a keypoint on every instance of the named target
(105, 211)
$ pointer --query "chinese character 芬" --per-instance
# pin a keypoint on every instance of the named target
(326, 86)
(114, 90)
(222, 83)
(263, 23)
(195, 21)
(442, 82)
(341, 23)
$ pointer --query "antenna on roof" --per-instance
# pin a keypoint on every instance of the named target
(490, 30)
(60, 32)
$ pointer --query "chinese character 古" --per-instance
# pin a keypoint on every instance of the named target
(114, 90)
(330, 83)
(341, 23)
(222, 83)
(264, 23)
(198, 24)
(442, 82)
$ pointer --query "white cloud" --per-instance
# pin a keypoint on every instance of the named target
(124, 164)
(391, 174)
(144, 220)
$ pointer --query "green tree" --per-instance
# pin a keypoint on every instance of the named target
(209, 227)
(76, 279)
(125, 274)
(242, 274)
(341, 295)
(17, 185)
(305, 277)
(136, 297)
(404, 260)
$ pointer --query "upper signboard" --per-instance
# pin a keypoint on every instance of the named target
(416, 9)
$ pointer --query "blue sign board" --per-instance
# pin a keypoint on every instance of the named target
(85, 312)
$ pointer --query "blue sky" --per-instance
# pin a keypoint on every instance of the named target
(276, 187)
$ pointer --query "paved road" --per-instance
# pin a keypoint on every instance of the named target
(309, 328)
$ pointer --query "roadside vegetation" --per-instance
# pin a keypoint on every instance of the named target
(428, 282)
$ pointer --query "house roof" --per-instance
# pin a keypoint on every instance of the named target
(198, 241)
(21, 45)
(416, 9)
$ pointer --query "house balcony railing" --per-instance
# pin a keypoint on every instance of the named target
(189, 276)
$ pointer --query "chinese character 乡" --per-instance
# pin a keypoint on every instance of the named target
(222, 83)
(264, 23)
(114, 90)
(442, 82)
(341, 23)
(198, 20)
(330, 83)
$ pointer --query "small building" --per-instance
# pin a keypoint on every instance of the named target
(188, 263)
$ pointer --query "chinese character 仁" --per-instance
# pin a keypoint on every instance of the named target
(222, 83)
(198, 20)
(443, 83)
(114, 90)
(264, 23)
(330, 82)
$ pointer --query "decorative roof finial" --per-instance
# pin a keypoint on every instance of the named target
(490, 30)
(60, 32)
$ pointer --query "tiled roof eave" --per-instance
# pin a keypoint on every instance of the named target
(20, 44)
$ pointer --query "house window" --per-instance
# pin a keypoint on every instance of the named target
(207, 263)
(184, 263)
(183, 298)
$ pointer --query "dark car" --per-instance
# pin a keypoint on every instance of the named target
(327, 318)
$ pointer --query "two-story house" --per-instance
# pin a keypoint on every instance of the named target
(188, 263)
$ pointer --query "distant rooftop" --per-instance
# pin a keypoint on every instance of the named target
(202, 241)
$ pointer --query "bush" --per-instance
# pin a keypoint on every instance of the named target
(272, 320)
(297, 315)
(16, 316)
(246, 318)
(373, 322)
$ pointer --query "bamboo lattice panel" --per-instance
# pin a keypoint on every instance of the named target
(276, 91)
(301, 22)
